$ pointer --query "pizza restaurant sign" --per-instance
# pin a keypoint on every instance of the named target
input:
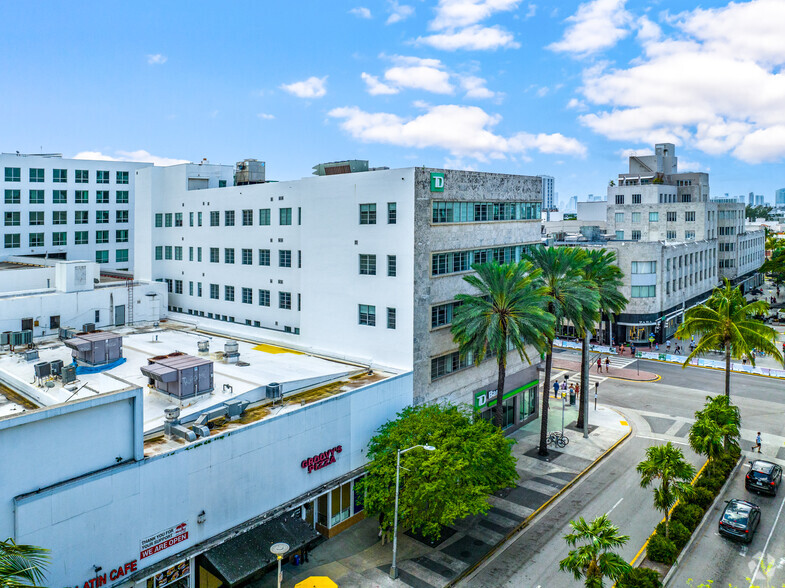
(321, 460)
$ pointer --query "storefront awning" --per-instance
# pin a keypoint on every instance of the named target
(240, 558)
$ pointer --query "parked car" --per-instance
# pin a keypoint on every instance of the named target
(739, 520)
(763, 476)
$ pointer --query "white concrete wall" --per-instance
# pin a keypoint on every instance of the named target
(27, 278)
(232, 477)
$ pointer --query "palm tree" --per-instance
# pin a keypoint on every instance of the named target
(570, 297)
(21, 566)
(602, 271)
(726, 321)
(706, 438)
(667, 464)
(508, 311)
(595, 560)
(719, 410)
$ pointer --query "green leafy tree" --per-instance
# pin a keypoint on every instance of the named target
(726, 416)
(726, 321)
(761, 211)
(601, 271)
(472, 460)
(706, 438)
(666, 463)
(594, 559)
(571, 297)
(775, 265)
(508, 311)
(22, 566)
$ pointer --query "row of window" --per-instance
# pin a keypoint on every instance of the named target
(81, 176)
(246, 255)
(368, 265)
(669, 235)
(61, 197)
(60, 239)
(60, 217)
(169, 219)
(654, 217)
(689, 280)
(663, 198)
(461, 261)
(367, 316)
(368, 213)
(468, 212)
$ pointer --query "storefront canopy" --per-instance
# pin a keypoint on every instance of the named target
(240, 558)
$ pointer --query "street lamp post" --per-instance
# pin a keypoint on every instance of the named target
(394, 567)
(279, 550)
(563, 402)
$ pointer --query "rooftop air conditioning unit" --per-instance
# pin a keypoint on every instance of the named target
(274, 390)
(88, 327)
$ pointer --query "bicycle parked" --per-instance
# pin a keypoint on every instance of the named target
(558, 439)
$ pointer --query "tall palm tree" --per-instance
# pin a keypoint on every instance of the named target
(602, 271)
(595, 560)
(666, 463)
(726, 321)
(570, 297)
(22, 566)
(508, 311)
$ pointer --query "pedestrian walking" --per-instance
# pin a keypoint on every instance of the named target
(599, 365)
(556, 389)
(564, 387)
(577, 389)
(668, 346)
(607, 365)
(757, 443)
(572, 390)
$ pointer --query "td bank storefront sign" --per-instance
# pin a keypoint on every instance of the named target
(437, 182)
(520, 404)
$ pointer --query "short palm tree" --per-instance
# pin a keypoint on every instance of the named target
(595, 560)
(706, 438)
(570, 297)
(21, 566)
(508, 311)
(602, 271)
(726, 321)
(666, 463)
(726, 416)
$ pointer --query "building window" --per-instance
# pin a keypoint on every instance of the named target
(392, 213)
(390, 318)
(299, 215)
(199, 219)
(264, 216)
(13, 174)
(228, 255)
(299, 259)
(285, 216)
(670, 235)
(59, 217)
(229, 293)
(59, 176)
(13, 196)
(178, 253)
(36, 218)
(447, 364)
(215, 218)
(121, 177)
(636, 198)
(442, 314)
(13, 240)
(214, 291)
(81, 238)
(461, 261)
(121, 236)
(101, 216)
(367, 265)
(636, 217)
(264, 257)
(619, 198)
(644, 267)
(654, 217)
(619, 235)
(222, 183)
(392, 266)
(178, 219)
(247, 256)
(367, 315)
(465, 212)
(36, 196)
(102, 177)
(12, 219)
(618, 217)
(285, 300)
(36, 174)
(644, 291)
(159, 252)
(228, 218)
(264, 298)
(670, 217)
(689, 235)
(82, 176)
(168, 252)
(367, 214)
(121, 216)
(102, 256)
(121, 197)
(215, 255)
(102, 197)
(689, 216)
(121, 255)
(247, 218)
(159, 220)
(636, 235)
(247, 296)
(60, 197)
(284, 258)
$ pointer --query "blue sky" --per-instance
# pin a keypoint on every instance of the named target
(564, 89)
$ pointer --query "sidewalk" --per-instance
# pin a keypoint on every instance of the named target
(356, 557)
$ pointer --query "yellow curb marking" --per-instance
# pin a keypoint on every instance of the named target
(624, 423)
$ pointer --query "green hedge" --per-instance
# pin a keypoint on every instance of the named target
(687, 514)
(661, 549)
(702, 498)
(640, 578)
(677, 533)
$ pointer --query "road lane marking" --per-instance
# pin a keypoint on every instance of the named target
(661, 439)
(768, 539)
(614, 506)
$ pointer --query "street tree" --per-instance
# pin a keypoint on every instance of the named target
(775, 264)
(472, 460)
(595, 559)
(506, 312)
(22, 566)
(706, 438)
(571, 297)
(727, 321)
(601, 271)
(666, 463)
(720, 411)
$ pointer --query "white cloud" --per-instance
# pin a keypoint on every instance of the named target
(458, 24)
(475, 87)
(313, 87)
(361, 12)
(685, 165)
(597, 25)
(476, 38)
(375, 87)
(138, 156)
(543, 91)
(265, 116)
(463, 131)
(399, 12)
(531, 11)
(156, 59)
(625, 154)
(430, 75)
(451, 14)
(575, 104)
(716, 83)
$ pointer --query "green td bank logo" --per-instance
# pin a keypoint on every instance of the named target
(437, 182)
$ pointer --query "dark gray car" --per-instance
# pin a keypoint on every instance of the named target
(739, 520)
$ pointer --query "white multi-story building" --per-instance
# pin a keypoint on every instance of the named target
(69, 208)
(363, 266)
(548, 195)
